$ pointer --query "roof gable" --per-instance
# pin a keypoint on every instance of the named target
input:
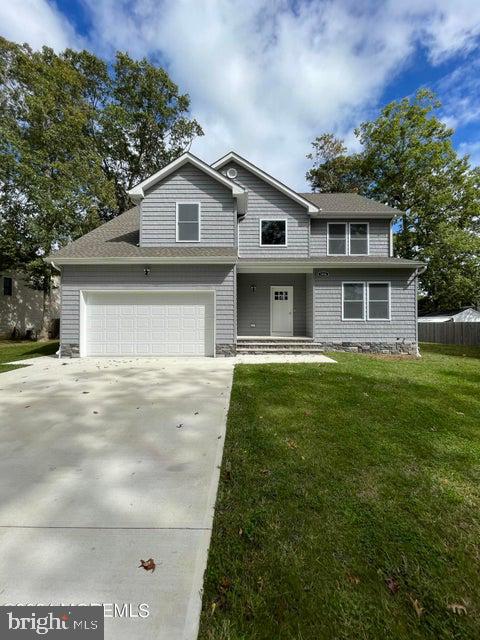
(137, 193)
(293, 195)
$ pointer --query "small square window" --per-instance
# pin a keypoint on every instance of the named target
(273, 232)
(7, 286)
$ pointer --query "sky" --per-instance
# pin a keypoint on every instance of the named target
(267, 76)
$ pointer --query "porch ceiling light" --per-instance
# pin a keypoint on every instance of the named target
(253, 287)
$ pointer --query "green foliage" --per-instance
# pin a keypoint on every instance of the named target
(74, 136)
(408, 161)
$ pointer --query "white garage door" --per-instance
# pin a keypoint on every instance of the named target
(149, 324)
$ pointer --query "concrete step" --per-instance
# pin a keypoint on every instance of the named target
(280, 349)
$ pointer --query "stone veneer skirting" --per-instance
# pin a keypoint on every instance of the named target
(391, 348)
(225, 350)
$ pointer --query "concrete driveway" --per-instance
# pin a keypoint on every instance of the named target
(104, 463)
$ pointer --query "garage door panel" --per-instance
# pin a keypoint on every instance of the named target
(150, 323)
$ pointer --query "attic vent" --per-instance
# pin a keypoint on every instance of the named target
(232, 173)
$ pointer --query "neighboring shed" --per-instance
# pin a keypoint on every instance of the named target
(464, 315)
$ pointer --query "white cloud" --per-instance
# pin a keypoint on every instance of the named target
(266, 76)
(37, 22)
(473, 150)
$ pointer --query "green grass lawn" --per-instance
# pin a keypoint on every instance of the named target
(11, 351)
(349, 501)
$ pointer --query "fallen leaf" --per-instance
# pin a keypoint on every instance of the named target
(419, 610)
(458, 609)
(353, 579)
(291, 444)
(95, 412)
(148, 565)
(307, 413)
(179, 426)
(392, 585)
(459, 413)
(196, 413)
(214, 606)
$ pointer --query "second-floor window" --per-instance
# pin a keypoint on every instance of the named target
(188, 222)
(273, 232)
(347, 238)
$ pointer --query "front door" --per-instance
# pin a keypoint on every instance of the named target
(281, 311)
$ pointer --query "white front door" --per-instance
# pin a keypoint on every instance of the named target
(281, 311)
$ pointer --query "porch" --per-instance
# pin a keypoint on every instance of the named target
(277, 306)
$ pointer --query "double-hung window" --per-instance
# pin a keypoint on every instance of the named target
(366, 300)
(358, 238)
(379, 301)
(188, 222)
(347, 238)
(273, 232)
(353, 301)
(337, 238)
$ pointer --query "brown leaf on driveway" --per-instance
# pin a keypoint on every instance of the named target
(419, 610)
(392, 585)
(457, 609)
(148, 565)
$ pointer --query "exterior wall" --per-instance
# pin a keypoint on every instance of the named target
(22, 311)
(254, 308)
(379, 244)
(330, 329)
(158, 210)
(264, 201)
(309, 305)
(221, 278)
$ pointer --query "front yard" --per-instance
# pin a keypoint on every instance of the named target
(349, 502)
(11, 351)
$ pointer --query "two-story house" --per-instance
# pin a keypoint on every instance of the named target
(217, 256)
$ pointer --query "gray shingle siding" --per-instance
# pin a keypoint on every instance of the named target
(379, 244)
(264, 201)
(254, 308)
(158, 211)
(327, 306)
(161, 278)
(309, 305)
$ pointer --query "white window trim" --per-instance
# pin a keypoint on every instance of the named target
(389, 285)
(274, 246)
(364, 300)
(350, 238)
(199, 204)
(346, 239)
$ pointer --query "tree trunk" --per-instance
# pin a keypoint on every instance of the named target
(45, 327)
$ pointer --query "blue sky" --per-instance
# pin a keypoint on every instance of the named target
(266, 76)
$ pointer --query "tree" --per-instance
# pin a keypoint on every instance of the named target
(74, 137)
(408, 161)
(52, 186)
(141, 121)
(334, 170)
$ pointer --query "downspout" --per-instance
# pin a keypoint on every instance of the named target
(418, 272)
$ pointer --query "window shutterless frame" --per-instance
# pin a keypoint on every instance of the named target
(363, 318)
(199, 223)
(388, 300)
(345, 226)
(350, 253)
(261, 244)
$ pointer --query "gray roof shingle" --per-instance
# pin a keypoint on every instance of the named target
(118, 238)
(349, 204)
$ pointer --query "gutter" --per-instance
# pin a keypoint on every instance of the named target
(143, 260)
